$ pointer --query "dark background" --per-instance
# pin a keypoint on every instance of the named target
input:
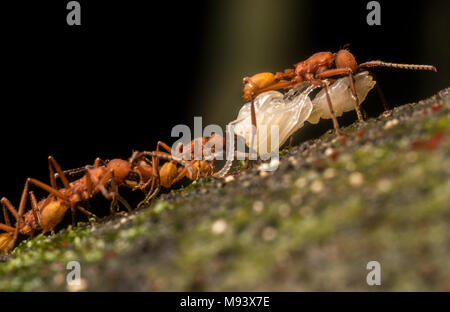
(134, 69)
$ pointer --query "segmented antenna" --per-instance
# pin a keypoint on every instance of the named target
(396, 65)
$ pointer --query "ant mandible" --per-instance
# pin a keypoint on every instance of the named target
(316, 69)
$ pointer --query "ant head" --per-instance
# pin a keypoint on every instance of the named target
(344, 59)
(249, 88)
(167, 173)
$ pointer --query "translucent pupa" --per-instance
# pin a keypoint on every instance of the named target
(274, 110)
(341, 97)
(290, 111)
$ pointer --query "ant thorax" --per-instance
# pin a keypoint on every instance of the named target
(341, 97)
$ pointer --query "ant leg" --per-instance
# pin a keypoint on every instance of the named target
(382, 98)
(344, 71)
(155, 180)
(99, 162)
(22, 205)
(88, 183)
(6, 228)
(124, 202)
(5, 214)
(117, 197)
(109, 196)
(55, 192)
(164, 146)
(380, 94)
(180, 175)
(113, 206)
(155, 161)
(48, 188)
(7, 205)
(330, 106)
(52, 163)
(324, 84)
(35, 209)
(88, 213)
(253, 113)
(355, 97)
(291, 141)
(72, 210)
(254, 126)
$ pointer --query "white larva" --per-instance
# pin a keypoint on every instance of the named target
(341, 97)
(272, 108)
(290, 111)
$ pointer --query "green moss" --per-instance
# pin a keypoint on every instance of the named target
(311, 225)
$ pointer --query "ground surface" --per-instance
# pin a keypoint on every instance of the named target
(313, 224)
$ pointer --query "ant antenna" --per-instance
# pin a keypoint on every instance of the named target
(346, 46)
(396, 65)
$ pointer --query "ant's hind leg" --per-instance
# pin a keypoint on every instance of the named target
(72, 210)
(53, 165)
(344, 71)
(124, 202)
(35, 209)
(355, 97)
(88, 213)
(5, 212)
(155, 182)
(6, 228)
(380, 94)
(8, 206)
(330, 106)
(22, 205)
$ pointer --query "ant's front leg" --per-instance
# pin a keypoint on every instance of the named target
(381, 94)
(155, 181)
(324, 84)
(52, 166)
(344, 71)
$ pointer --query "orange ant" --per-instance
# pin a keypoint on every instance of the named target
(316, 69)
(153, 176)
(48, 212)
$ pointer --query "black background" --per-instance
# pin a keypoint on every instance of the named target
(134, 69)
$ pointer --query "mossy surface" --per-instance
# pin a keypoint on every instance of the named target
(333, 205)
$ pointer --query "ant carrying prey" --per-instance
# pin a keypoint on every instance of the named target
(316, 70)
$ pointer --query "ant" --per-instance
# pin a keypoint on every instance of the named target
(316, 69)
(48, 212)
(43, 216)
(153, 176)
